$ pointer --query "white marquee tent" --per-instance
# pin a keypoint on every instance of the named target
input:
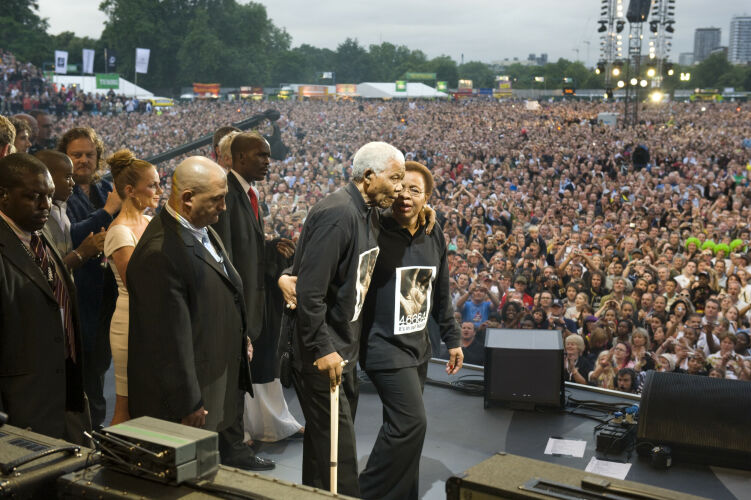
(387, 90)
(88, 84)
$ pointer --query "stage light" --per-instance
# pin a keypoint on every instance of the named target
(600, 67)
(656, 96)
(685, 77)
(643, 83)
(669, 26)
(616, 71)
(653, 26)
(651, 72)
(619, 26)
(603, 27)
(670, 71)
(634, 81)
(608, 93)
(621, 84)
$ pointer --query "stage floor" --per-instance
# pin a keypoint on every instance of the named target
(461, 433)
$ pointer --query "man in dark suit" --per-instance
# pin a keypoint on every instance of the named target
(257, 261)
(40, 345)
(241, 229)
(187, 359)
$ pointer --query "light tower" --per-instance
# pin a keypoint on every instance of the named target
(610, 27)
(637, 14)
(661, 39)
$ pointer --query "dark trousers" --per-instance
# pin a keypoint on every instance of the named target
(93, 385)
(393, 469)
(232, 447)
(313, 392)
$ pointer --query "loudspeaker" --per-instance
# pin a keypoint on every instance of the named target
(638, 11)
(107, 484)
(505, 476)
(523, 368)
(702, 419)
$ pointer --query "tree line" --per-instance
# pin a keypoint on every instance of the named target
(223, 41)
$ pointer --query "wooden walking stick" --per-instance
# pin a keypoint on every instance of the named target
(334, 421)
(334, 410)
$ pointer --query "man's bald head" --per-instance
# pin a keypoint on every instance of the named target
(199, 186)
(194, 174)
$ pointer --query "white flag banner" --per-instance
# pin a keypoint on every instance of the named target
(61, 62)
(142, 60)
(88, 61)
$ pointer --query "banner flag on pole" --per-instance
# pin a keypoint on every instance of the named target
(88, 61)
(61, 62)
(142, 60)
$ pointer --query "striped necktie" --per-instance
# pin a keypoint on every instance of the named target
(59, 290)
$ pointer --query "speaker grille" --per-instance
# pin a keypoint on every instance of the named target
(696, 414)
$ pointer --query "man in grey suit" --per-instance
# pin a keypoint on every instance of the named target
(187, 346)
(40, 346)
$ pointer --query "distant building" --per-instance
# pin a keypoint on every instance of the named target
(739, 48)
(686, 58)
(705, 40)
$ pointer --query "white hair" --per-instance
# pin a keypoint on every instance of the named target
(224, 148)
(375, 156)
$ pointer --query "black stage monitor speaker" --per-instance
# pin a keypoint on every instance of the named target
(523, 368)
(638, 11)
(702, 419)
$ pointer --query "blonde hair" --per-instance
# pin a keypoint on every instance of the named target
(224, 148)
(127, 170)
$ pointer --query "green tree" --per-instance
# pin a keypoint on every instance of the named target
(389, 62)
(480, 74)
(199, 55)
(709, 72)
(23, 32)
(445, 69)
(352, 63)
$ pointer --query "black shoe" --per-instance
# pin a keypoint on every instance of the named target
(251, 463)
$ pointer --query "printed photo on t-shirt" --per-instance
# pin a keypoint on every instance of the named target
(365, 268)
(414, 286)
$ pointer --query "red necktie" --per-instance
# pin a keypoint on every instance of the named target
(253, 201)
(59, 290)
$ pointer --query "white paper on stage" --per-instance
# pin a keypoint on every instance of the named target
(574, 448)
(615, 470)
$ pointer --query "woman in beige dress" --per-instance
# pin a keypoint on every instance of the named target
(137, 183)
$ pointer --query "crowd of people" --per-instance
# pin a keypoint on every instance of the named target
(534, 201)
(25, 88)
(541, 201)
(634, 243)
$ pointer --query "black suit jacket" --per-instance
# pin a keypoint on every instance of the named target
(37, 383)
(259, 265)
(187, 332)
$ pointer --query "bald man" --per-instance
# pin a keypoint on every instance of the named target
(188, 346)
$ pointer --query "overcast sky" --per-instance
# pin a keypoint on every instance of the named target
(484, 30)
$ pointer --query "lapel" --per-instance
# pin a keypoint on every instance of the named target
(200, 251)
(14, 252)
(242, 196)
